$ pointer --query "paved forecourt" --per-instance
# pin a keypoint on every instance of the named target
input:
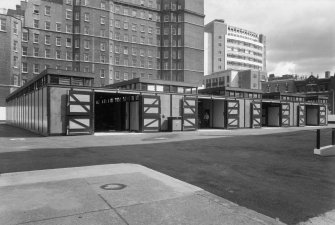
(113, 194)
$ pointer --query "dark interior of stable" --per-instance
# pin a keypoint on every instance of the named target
(312, 115)
(270, 114)
(115, 112)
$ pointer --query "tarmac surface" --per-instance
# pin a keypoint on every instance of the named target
(271, 170)
(113, 194)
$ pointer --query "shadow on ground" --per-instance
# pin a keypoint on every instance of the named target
(7, 131)
(276, 175)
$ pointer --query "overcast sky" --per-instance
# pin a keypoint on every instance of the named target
(300, 33)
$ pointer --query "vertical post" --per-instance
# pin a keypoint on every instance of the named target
(333, 136)
(318, 139)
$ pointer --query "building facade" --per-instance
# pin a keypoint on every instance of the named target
(312, 86)
(234, 48)
(116, 40)
(246, 79)
(10, 57)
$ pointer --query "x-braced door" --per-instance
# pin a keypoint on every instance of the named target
(285, 114)
(190, 113)
(151, 108)
(301, 115)
(232, 110)
(80, 112)
(256, 114)
(322, 115)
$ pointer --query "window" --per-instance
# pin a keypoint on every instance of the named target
(150, 30)
(102, 73)
(15, 47)
(125, 50)
(15, 61)
(68, 42)
(68, 14)
(126, 37)
(126, 62)
(125, 76)
(47, 53)
(87, 17)
(25, 36)
(86, 30)
(142, 52)
(142, 62)
(117, 75)
(36, 9)
(47, 39)
(103, 5)
(36, 68)
(134, 62)
(15, 28)
(134, 39)
(36, 23)
(47, 10)
(68, 56)
(134, 13)
(77, 16)
(117, 60)
(150, 63)
(134, 27)
(134, 51)
(102, 20)
(86, 44)
(24, 67)
(24, 50)
(117, 23)
(69, 2)
(125, 11)
(58, 54)
(166, 18)
(102, 33)
(142, 40)
(58, 27)
(68, 28)
(86, 57)
(102, 58)
(103, 46)
(47, 25)
(125, 25)
(142, 28)
(36, 51)
(76, 43)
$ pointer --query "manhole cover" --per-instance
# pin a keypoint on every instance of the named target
(113, 187)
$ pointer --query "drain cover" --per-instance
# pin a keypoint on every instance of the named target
(113, 187)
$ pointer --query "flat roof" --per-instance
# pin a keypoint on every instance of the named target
(230, 89)
(150, 81)
(52, 72)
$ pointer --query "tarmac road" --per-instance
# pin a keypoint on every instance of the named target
(275, 174)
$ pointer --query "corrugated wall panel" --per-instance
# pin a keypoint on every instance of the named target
(242, 112)
(45, 111)
(165, 111)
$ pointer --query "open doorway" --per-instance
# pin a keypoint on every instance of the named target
(270, 114)
(116, 112)
(312, 115)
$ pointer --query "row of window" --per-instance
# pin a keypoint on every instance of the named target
(231, 41)
(244, 58)
(3, 26)
(246, 65)
(242, 50)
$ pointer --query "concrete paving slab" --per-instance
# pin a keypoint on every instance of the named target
(139, 188)
(94, 218)
(132, 194)
(194, 209)
(33, 202)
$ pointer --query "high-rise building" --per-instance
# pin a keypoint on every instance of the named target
(10, 56)
(116, 40)
(234, 48)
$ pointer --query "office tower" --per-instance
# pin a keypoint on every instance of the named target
(230, 47)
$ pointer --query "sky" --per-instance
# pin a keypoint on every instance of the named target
(300, 33)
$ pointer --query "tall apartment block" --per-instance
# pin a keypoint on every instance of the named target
(234, 48)
(10, 56)
(116, 40)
